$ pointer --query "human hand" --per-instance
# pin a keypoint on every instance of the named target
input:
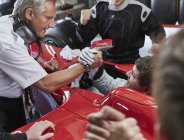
(51, 65)
(62, 2)
(97, 60)
(110, 124)
(67, 53)
(106, 113)
(87, 56)
(85, 16)
(35, 131)
(154, 49)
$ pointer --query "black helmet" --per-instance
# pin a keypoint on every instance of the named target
(64, 33)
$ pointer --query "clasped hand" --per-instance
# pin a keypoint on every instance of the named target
(91, 57)
(110, 124)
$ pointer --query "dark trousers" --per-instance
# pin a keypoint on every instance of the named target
(12, 114)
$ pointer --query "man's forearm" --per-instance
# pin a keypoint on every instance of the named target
(158, 35)
(106, 83)
(58, 79)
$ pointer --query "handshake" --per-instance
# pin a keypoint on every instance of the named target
(87, 56)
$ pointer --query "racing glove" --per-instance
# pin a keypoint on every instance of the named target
(86, 56)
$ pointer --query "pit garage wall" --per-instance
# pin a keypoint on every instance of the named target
(78, 6)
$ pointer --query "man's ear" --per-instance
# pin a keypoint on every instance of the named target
(29, 14)
(159, 135)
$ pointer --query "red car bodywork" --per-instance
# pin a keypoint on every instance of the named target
(70, 118)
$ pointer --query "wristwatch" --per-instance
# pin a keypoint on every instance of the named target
(87, 68)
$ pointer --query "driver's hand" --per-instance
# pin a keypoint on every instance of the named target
(87, 56)
(154, 49)
(90, 57)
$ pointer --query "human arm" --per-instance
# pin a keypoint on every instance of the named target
(22, 68)
(155, 48)
(61, 78)
(106, 83)
(110, 124)
(85, 16)
(58, 79)
(153, 29)
(88, 24)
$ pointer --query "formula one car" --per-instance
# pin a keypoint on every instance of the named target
(69, 107)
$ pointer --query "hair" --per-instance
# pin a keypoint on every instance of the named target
(20, 6)
(168, 87)
(145, 67)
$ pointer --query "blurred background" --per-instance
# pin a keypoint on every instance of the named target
(6, 7)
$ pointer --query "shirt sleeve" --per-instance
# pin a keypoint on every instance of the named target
(7, 136)
(16, 62)
(153, 28)
(106, 83)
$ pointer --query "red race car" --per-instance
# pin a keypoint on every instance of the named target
(68, 108)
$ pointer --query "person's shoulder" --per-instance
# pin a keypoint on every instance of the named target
(137, 3)
(7, 34)
(5, 19)
(144, 11)
(6, 25)
(102, 2)
(99, 7)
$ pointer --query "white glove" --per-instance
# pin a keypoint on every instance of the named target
(67, 53)
(87, 56)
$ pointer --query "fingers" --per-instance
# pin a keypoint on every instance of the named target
(87, 56)
(95, 120)
(85, 16)
(90, 57)
(49, 67)
(98, 131)
(40, 130)
(131, 129)
(55, 65)
(91, 136)
(111, 124)
(52, 65)
(47, 124)
(107, 113)
(47, 136)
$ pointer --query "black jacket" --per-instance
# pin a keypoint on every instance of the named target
(7, 136)
(126, 26)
